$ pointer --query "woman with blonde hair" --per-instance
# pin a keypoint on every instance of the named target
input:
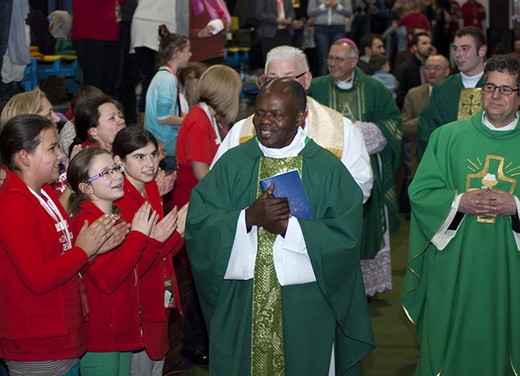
(201, 132)
(33, 102)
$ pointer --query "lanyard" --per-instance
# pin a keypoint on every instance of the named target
(60, 223)
(170, 68)
(204, 106)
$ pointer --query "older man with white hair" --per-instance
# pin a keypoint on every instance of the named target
(326, 127)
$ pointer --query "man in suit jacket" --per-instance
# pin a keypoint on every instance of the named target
(410, 73)
(277, 23)
(436, 69)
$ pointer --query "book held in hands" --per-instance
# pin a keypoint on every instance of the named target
(289, 184)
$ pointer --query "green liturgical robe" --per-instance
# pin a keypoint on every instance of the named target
(316, 316)
(464, 297)
(368, 100)
(448, 102)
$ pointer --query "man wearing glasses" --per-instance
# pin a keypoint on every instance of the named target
(367, 103)
(459, 96)
(462, 281)
(326, 127)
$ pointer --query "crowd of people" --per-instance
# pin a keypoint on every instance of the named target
(387, 129)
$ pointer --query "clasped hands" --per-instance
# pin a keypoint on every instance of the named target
(269, 212)
(487, 202)
(331, 4)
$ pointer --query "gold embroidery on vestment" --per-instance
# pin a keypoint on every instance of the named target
(494, 165)
(470, 102)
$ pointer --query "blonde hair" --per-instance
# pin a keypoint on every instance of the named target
(21, 104)
(219, 87)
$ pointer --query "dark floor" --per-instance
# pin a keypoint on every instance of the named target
(396, 351)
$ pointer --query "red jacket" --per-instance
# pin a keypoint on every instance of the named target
(151, 284)
(111, 289)
(95, 19)
(40, 309)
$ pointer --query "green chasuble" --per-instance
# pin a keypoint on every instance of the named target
(370, 101)
(332, 310)
(445, 106)
(464, 299)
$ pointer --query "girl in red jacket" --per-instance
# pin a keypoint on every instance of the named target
(41, 311)
(136, 149)
(112, 327)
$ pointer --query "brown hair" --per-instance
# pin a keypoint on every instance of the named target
(22, 132)
(77, 173)
(186, 76)
(170, 43)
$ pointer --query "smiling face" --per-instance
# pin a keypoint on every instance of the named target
(140, 165)
(275, 119)
(110, 122)
(108, 188)
(500, 109)
(44, 161)
(339, 63)
(47, 110)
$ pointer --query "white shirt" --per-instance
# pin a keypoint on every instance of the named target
(291, 259)
(354, 154)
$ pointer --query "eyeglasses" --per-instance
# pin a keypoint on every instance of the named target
(267, 79)
(434, 67)
(504, 90)
(109, 171)
(332, 59)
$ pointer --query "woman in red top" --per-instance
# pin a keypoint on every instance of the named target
(201, 132)
(41, 311)
(95, 33)
(137, 150)
(200, 135)
(113, 326)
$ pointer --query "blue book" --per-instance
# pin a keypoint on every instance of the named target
(289, 184)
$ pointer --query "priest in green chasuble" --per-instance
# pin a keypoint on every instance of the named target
(369, 105)
(280, 295)
(463, 275)
(458, 96)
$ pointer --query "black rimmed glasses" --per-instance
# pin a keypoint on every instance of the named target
(504, 90)
(109, 171)
(267, 79)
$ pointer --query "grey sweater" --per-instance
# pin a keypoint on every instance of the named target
(329, 16)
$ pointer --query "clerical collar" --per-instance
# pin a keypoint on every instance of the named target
(509, 127)
(345, 85)
(291, 150)
(471, 82)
